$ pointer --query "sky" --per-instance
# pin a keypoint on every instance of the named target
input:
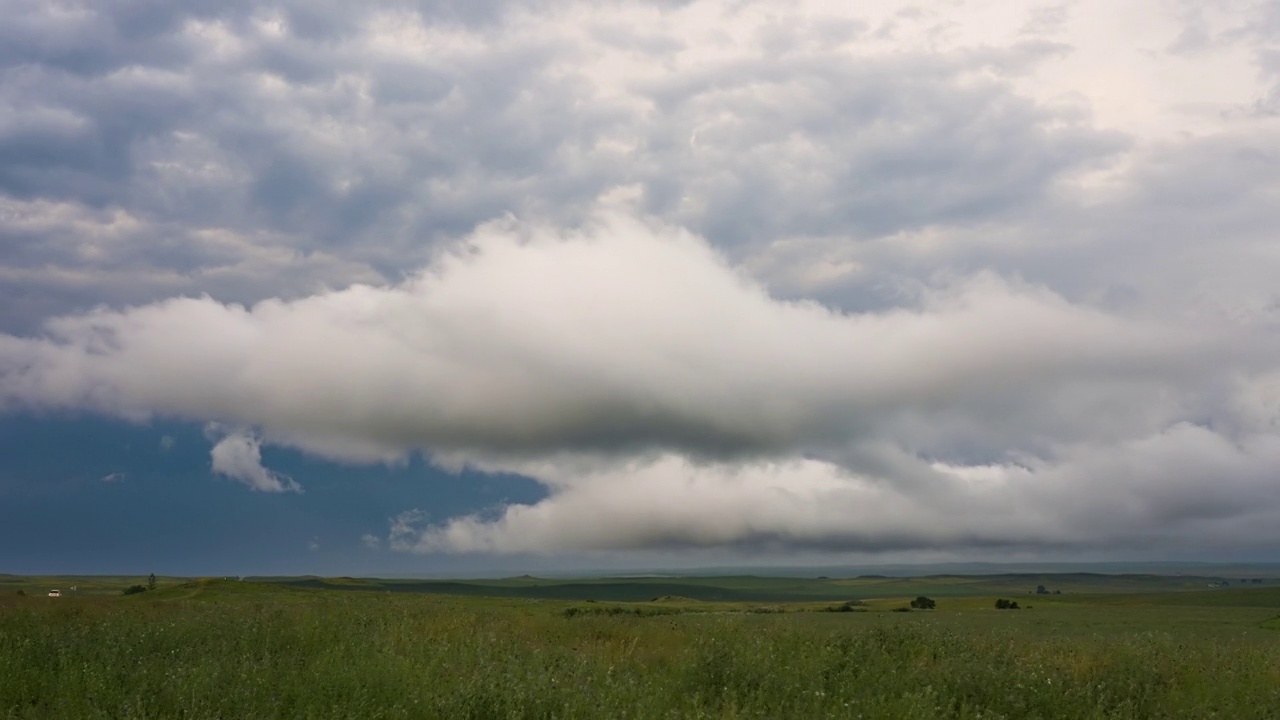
(465, 288)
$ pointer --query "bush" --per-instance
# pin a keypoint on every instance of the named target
(1003, 604)
(923, 603)
(850, 606)
(616, 611)
(134, 590)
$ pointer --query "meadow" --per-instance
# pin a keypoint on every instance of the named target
(842, 648)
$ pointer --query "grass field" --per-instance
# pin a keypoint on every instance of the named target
(1133, 648)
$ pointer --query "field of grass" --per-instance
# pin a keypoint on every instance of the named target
(85, 585)
(227, 649)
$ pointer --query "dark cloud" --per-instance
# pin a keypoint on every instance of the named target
(373, 132)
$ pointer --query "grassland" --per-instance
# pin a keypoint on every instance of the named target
(1131, 648)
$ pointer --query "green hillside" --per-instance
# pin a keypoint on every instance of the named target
(764, 589)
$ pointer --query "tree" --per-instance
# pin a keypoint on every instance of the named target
(151, 581)
(1041, 590)
(1003, 604)
(923, 603)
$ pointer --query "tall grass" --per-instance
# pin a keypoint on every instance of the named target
(330, 655)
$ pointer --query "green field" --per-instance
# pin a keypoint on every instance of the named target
(737, 647)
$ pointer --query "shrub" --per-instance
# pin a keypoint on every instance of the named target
(134, 590)
(923, 603)
(615, 611)
(850, 606)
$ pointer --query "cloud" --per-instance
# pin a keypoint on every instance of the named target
(254, 153)
(1185, 489)
(625, 337)
(371, 541)
(864, 276)
(113, 477)
(404, 529)
(239, 457)
(666, 399)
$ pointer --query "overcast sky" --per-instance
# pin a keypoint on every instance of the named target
(445, 286)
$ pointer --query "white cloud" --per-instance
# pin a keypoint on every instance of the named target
(666, 399)
(626, 336)
(239, 457)
(404, 529)
(1183, 489)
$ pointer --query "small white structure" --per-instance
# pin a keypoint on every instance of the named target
(55, 593)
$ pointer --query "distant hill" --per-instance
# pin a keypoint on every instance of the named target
(750, 588)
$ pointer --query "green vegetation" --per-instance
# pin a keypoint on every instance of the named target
(228, 649)
(924, 603)
(747, 588)
(84, 585)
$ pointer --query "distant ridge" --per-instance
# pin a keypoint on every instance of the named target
(903, 570)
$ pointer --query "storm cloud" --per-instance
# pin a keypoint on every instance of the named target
(715, 274)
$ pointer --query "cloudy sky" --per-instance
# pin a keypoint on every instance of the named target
(434, 287)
